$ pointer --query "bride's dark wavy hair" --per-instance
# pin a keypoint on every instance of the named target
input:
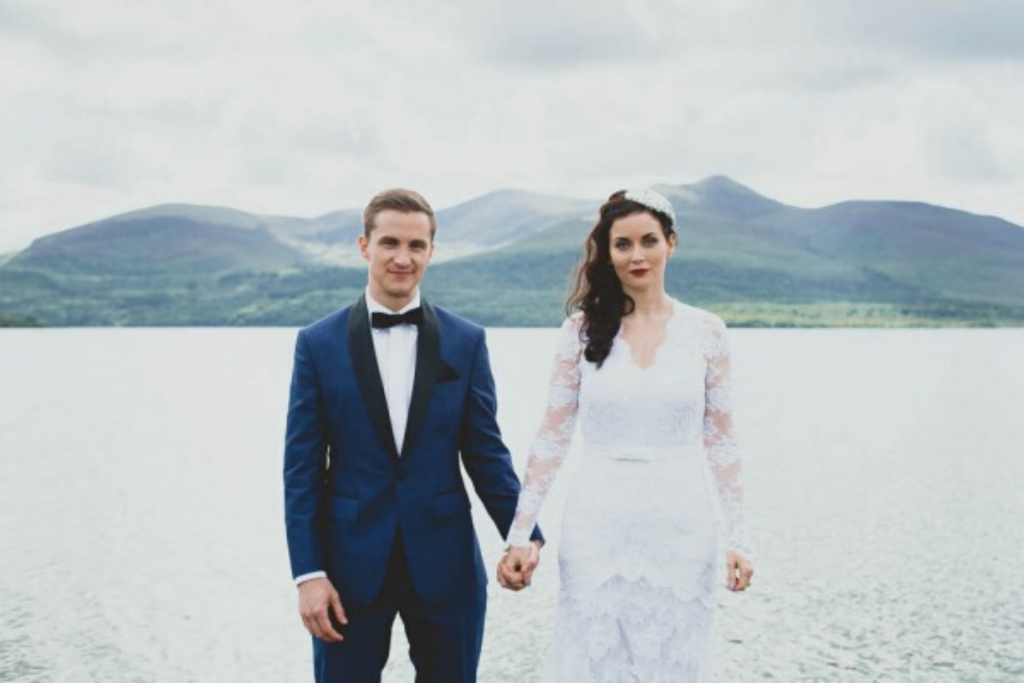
(596, 289)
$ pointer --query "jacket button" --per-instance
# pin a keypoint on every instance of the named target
(400, 475)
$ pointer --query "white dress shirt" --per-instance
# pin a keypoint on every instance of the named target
(395, 348)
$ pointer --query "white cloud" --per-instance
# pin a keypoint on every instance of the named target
(302, 108)
(943, 29)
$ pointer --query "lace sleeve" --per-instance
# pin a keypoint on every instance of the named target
(720, 442)
(551, 444)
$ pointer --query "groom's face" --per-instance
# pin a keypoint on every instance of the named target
(398, 250)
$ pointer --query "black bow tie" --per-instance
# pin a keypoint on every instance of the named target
(414, 316)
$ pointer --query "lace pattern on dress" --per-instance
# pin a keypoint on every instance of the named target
(720, 442)
(551, 444)
(693, 330)
(629, 631)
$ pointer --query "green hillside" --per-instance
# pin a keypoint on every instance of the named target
(755, 261)
(18, 322)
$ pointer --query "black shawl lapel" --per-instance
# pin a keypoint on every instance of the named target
(428, 363)
(364, 363)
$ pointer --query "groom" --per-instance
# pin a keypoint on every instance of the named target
(385, 396)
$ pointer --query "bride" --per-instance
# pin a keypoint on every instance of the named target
(648, 379)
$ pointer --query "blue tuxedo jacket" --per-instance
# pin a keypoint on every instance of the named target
(347, 489)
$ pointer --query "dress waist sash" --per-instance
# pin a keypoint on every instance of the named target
(643, 454)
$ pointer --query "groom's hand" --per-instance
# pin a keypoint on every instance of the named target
(515, 571)
(317, 599)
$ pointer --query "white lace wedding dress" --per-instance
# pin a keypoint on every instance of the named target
(639, 556)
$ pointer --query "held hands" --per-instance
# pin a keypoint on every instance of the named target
(739, 571)
(317, 599)
(516, 567)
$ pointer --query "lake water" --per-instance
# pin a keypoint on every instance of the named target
(142, 535)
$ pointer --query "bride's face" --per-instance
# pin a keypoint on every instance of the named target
(640, 251)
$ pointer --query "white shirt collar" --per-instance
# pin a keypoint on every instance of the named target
(374, 306)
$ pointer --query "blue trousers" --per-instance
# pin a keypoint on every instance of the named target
(444, 638)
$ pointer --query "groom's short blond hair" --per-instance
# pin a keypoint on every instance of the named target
(397, 199)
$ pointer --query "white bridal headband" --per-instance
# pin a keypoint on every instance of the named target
(653, 201)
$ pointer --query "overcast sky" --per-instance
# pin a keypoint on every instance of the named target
(308, 106)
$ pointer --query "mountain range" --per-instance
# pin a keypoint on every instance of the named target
(504, 259)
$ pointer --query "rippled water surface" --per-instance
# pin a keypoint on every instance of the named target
(140, 504)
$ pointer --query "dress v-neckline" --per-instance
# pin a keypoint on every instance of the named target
(657, 349)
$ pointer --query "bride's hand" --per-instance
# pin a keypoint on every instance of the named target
(739, 571)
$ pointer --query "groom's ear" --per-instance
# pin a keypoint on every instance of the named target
(364, 246)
